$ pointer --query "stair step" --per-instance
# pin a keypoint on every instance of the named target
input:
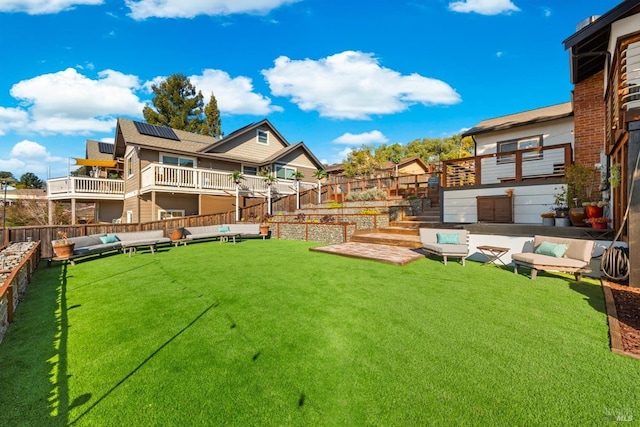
(396, 230)
(403, 240)
(416, 224)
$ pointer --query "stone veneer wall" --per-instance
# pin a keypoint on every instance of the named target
(589, 120)
(331, 233)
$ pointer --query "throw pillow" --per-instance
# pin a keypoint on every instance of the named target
(223, 229)
(552, 249)
(447, 239)
(109, 238)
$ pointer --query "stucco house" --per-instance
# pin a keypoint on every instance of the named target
(518, 164)
(154, 172)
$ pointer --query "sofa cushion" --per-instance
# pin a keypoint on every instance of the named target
(552, 249)
(578, 248)
(448, 238)
(547, 262)
(85, 241)
(223, 229)
(446, 249)
(142, 236)
(102, 247)
(109, 238)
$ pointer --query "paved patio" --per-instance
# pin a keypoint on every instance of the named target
(385, 253)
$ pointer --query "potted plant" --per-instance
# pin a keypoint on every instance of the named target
(264, 225)
(595, 209)
(580, 180)
(561, 208)
(548, 218)
(62, 246)
(599, 223)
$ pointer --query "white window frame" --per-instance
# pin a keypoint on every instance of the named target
(161, 157)
(286, 168)
(254, 169)
(520, 144)
(266, 136)
(129, 165)
(162, 214)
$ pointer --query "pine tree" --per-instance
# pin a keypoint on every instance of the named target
(179, 106)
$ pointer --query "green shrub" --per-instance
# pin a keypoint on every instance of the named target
(369, 212)
(335, 205)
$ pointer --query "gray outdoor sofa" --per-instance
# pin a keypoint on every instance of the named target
(98, 244)
(222, 231)
(447, 243)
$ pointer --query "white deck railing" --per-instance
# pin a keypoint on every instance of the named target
(74, 185)
(158, 176)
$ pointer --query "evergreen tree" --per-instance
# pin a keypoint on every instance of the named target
(179, 106)
(212, 121)
(30, 180)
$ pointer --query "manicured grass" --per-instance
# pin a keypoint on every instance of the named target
(268, 333)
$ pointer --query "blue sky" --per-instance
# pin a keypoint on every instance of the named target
(335, 74)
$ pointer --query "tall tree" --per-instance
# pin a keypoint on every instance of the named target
(212, 121)
(7, 177)
(30, 180)
(178, 105)
(360, 163)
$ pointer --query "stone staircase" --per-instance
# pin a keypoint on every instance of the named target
(403, 233)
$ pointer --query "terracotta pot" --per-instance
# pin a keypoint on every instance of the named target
(264, 229)
(599, 225)
(577, 216)
(176, 234)
(64, 251)
(593, 211)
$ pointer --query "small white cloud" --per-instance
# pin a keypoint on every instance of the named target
(484, 7)
(42, 7)
(373, 137)
(144, 9)
(499, 54)
(28, 149)
(547, 12)
(234, 95)
(342, 155)
(29, 156)
(353, 85)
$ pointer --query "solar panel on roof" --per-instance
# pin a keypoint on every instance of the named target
(159, 131)
(105, 147)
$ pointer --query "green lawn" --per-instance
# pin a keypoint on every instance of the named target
(269, 333)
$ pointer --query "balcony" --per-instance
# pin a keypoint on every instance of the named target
(159, 177)
(534, 164)
(85, 188)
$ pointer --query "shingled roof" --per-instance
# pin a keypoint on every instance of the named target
(538, 115)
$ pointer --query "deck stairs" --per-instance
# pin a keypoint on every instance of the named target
(403, 233)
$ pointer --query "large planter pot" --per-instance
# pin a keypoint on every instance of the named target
(548, 221)
(176, 234)
(563, 222)
(593, 211)
(577, 216)
(599, 225)
(64, 251)
(264, 229)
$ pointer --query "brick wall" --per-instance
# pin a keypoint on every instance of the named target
(589, 120)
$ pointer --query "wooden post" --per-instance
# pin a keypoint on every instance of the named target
(633, 221)
(518, 166)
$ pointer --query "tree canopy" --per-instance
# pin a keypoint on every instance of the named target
(178, 105)
(30, 180)
(364, 160)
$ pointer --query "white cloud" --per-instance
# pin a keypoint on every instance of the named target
(29, 156)
(341, 156)
(143, 9)
(353, 85)
(12, 119)
(233, 95)
(484, 7)
(499, 54)
(547, 12)
(375, 136)
(41, 7)
(69, 102)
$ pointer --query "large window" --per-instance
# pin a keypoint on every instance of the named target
(284, 172)
(129, 166)
(171, 213)
(519, 144)
(168, 159)
(250, 170)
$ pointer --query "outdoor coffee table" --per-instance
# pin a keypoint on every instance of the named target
(226, 236)
(132, 247)
(493, 253)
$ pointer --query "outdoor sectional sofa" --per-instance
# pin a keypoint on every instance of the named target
(223, 231)
(98, 244)
(556, 254)
(446, 243)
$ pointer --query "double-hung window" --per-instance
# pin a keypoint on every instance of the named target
(263, 137)
(520, 144)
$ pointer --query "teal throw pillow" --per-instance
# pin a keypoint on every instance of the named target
(109, 238)
(448, 238)
(552, 249)
(223, 229)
